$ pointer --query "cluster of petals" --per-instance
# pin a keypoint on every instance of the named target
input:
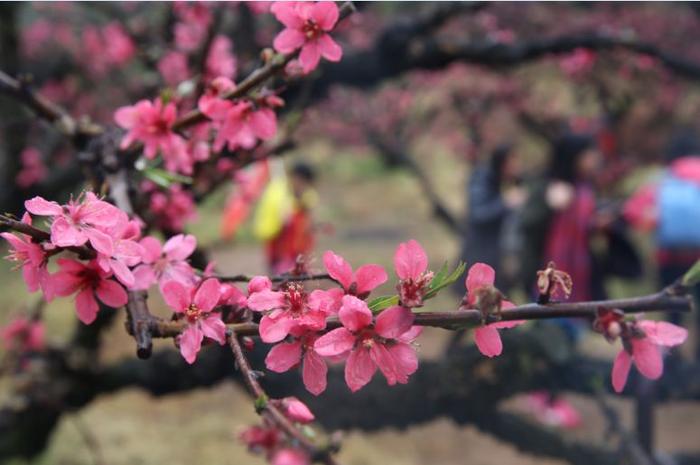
(151, 123)
(86, 220)
(172, 208)
(643, 345)
(195, 304)
(486, 337)
(239, 124)
(91, 282)
(306, 27)
(23, 334)
(367, 346)
(289, 309)
(360, 282)
(269, 440)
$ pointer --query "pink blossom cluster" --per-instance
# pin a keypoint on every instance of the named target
(121, 259)
(238, 124)
(172, 208)
(23, 335)
(644, 343)
(33, 168)
(268, 440)
(294, 319)
(190, 31)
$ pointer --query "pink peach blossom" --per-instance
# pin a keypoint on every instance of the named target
(289, 309)
(33, 260)
(196, 305)
(287, 355)
(80, 221)
(126, 252)
(644, 348)
(359, 283)
(486, 337)
(166, 263)
(240, 125)
(386, 345)
(411, 264)
(88, 280)
(151, 124)
(306, 26)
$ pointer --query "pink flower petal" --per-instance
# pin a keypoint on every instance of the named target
(275, 329)
(86, 306)
(258, 284)
(176, 296)
(214, 328)
(42, 207)
(325, 14)
(406, 361)
(359, 369)
(266, 300)
(290, 456)
(309, 57)
(393, 322)
(180, 247)
(488, 341)
(314, 372)
(621, 370)
(151, 249)
(480, 275)
(329, 48)
(354, 313)
(283, 356)
(286, 13)
(647, 358)
(664, 333)
(100, 241)
(64, 234)
(207, 295)
(384, 360)
(111, 293)
(335, 342)
(190, 343)
(288, 40)
(338, 269)
(297, 411)
(369, 277)
(410, 260)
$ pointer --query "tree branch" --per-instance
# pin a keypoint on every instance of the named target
(269, 410)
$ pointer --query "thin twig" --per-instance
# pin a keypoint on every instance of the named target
(243, 278)
(46, 109)
(268, 409)
(663, 301)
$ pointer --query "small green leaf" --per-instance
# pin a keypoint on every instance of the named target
(442, 279)
(261, 403)
(378, 304)
(692, 276)
(165, 178)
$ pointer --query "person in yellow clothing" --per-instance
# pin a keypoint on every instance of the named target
(283, 217)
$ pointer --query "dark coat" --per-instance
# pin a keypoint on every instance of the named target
(486, 213)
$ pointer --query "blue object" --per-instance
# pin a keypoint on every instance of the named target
(679, 213)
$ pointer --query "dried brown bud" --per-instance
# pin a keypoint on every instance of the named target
(553, 284)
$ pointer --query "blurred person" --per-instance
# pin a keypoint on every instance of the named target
(493, 195)
(563, 218)
(670, 207)
(283, 218)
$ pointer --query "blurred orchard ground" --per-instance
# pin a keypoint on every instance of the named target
(391, 132)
